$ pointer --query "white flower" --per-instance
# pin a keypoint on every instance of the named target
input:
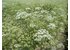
(28, 14)
(32, 25)
(43, 33)
(50, 18)
(28, 9)
(53, 12)
(61, 23)
(38, 8)
(44, 11)
(20, 14)
(40, 36)
(17, 17)
(52, 26)
(17, 45)
(49, 36)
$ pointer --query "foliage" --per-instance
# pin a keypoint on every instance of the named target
(33, 27)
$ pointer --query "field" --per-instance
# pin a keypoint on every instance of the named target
(34, 24)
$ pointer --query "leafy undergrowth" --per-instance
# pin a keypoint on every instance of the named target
(37, 27)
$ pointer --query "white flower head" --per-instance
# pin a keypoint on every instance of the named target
(20, 14)
(28, 8)
(53, 12)
(32, 25)
(50, 18)
(43, 33)
(44, 11)
(52, 26)
(17, 17)
(38, 8)
(17, 45)
(28, 14)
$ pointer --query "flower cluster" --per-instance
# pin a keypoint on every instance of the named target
(42, 33)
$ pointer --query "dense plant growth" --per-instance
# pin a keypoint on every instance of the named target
(36, 27)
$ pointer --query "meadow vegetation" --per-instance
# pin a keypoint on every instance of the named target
(34, 24)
